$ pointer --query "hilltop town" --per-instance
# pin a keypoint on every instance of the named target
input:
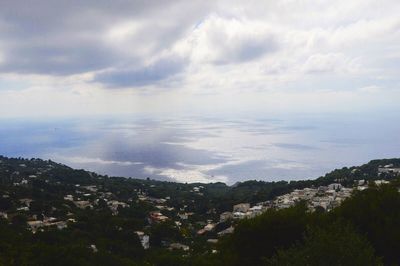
(46, 196)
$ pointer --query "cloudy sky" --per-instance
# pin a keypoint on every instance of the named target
(68, 58)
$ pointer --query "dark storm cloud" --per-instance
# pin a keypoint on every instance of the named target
(151, 74)
(70, 37)
(50, 60)
(55, 37)
(117, 39)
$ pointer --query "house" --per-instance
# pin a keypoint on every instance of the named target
(242, 207)
(144, 239)
(227, 231)
(157, 217)
(183, 216)
(361, 188)
(155, 200)
(3, 215)
(239, 215)
(90, 188)
(223, 217)
(114, 204)
(61, 225)
(35, 225)
(322, 189)
(26, 202)
(381, 182)
(82, 204)
(335, 186)
(209, 227)
(201, 231)
(361, 182)
(178, 246)
(93, 248)
(179, 224)
(69, 197)
(389, 169)
(256, 210)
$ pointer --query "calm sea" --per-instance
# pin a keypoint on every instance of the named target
(191, 149)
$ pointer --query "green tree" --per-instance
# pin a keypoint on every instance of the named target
(337, 244)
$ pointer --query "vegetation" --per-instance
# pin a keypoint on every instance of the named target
(363, 230)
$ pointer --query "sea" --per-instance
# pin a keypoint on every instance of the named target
(208, 149)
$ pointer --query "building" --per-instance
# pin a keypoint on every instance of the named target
(335, 186)
(209, 227)
(157, 217)
(35, 225)
(82, 204)
(389, 169)
(212, 241)
(3, 215)
(69, 197)
(178, 246)
(227, 231)
(242, 207)
(223, 217)
(144, 239)
(381, 182)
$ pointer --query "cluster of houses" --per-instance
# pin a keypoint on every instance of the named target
(388, 169)
(325, 197)
(242, 210)
(83, 197)
(36, 225)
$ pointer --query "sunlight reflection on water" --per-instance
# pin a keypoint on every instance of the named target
(204, 149)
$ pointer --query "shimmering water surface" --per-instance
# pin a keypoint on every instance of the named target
(204, 149)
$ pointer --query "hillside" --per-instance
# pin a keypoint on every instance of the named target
(48, 210)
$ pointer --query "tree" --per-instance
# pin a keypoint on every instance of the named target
(260, 237)
(337, 244)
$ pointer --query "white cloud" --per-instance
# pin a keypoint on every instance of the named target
(86, 160)
(223, 40)
(196, 56)
(322, 63)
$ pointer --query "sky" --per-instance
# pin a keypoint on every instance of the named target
(161, 58)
